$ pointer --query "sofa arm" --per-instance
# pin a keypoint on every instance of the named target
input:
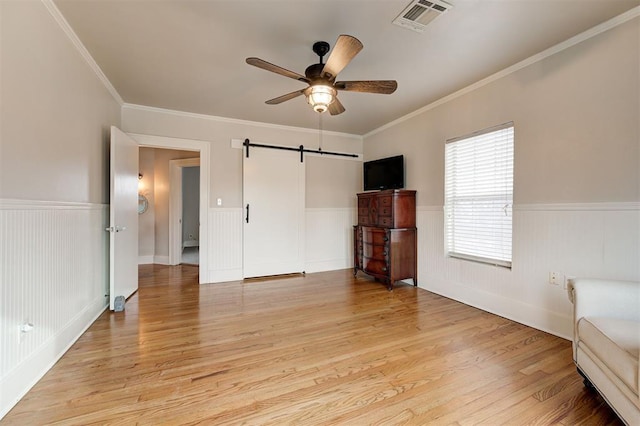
(605, 298)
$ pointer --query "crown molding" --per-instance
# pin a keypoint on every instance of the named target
(64, 25)
(236, 121)
(598, 29)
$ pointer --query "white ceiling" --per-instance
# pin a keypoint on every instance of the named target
(189, 55)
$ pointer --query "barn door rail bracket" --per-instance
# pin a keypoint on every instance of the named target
(301, 149)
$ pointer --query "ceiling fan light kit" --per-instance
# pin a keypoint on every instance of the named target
(320, 96)
(322, 92)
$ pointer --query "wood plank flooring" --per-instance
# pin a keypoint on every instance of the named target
(323, 348)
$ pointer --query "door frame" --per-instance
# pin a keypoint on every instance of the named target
(204, 148)
(175, 206)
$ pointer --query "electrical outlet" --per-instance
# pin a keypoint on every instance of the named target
(555, 278)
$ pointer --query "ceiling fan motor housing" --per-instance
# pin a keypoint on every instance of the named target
(313, 72)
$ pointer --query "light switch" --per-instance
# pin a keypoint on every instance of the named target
(219, 201)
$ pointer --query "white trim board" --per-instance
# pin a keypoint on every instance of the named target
(13, 204)
(552, 207)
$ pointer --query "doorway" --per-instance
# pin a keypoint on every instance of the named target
(203, 149)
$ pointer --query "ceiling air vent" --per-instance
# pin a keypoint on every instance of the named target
(419, 13)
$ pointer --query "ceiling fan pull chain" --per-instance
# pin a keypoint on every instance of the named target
(320, 133)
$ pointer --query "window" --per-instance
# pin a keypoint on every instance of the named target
(479, 195)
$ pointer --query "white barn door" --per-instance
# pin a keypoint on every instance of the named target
(274, 202)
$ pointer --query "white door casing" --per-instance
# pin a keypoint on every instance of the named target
(274, 201)
(123, 217)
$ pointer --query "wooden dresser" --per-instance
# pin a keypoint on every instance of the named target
(385, 238)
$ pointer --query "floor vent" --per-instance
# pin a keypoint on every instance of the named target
(420, 13)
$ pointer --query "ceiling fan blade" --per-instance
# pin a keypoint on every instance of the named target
(385, 87)
(336, 107)
(283, 98)
(257, 62)
(343, 52)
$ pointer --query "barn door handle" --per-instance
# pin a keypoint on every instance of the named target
(247, 219)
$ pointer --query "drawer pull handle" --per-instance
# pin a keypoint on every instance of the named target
(384, 269)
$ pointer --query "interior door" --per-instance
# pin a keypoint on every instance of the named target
(274, 199)
(123, 218)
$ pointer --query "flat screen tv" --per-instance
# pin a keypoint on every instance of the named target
(385, 173)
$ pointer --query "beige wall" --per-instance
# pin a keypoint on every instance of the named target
(55, 114)
(332, 182)
(576, 118)
(226, 162)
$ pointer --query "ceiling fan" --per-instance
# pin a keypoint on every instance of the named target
(323, 88)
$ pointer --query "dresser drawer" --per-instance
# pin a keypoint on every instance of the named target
(385, 221)
(384, 201)
(375, 236)
(375, 251)
(375, 266)
(364, 202)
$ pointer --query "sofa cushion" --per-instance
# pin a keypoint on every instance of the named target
(616, 342)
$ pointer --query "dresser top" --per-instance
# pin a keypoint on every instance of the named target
(389, 192)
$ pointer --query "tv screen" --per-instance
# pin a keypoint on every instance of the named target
(386, 173)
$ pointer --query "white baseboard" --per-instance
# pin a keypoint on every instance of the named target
(161, 260)
(145, 260)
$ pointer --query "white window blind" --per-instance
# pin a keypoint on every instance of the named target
(479, 195)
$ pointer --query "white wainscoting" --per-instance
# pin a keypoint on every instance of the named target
(329, 239)
(589, 240)
(54, 275)
(225, 242)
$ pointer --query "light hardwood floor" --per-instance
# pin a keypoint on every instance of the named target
(321, 349)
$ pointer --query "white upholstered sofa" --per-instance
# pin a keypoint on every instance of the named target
(606, 341)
